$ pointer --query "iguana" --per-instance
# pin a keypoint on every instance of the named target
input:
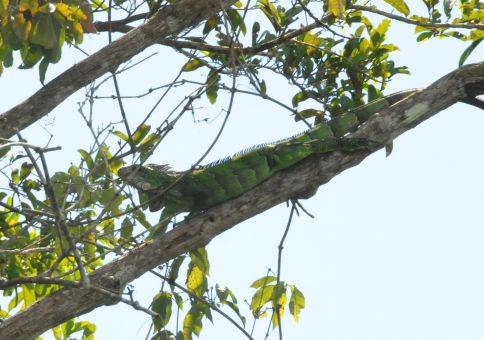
(206, 186)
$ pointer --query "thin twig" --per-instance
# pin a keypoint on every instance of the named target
(412, 21)
(205, 302)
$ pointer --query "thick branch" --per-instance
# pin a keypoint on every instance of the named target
(299, 181)
(168, 21)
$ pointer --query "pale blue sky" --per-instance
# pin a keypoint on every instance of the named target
(396, 248)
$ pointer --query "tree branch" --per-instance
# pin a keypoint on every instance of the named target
(414, 22)
(168, 21)
(300, 181)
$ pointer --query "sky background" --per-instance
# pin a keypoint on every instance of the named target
(395, 250)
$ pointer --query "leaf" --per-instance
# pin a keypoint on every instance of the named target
(90, 247)
(236, 20)
(260, 298)
(263, 281)
(448, 4)
(140, 133)
(223, 294)
(175, 268)
(255, 32)
(399, 5)
(44, 64)
(467, 52)
(308, 113)
(271, 13)
(199, 258)
(425, 36)
(279, 298)
(296, 302)
(388, 149)
(126, 229)
(31, 54)
(121, 135)
(192, 323)
(87, 158)
(337, 8)
(148, 144)
(212, 84)
(196, 281)
(25, 170)
(43, 32)
(192, 65)
(210, 24)
(4, 150)
(21, 27)
(60, 184)
(161, 304)
(299, 97)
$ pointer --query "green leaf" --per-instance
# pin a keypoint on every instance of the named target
(271, 13)
(448, 4)
(31, 55)
(308, 113)
(399, 5)
(199, 258)
(260, 298)
(140, 133)
(263, 87)
(44, 64)
(43, 32)
(178, 300)
(175, 267)
(126, 229)
(192, 323)
(212, 84)
(255, 32)
(141, 218)
(467, 52)
(148, 144)
(121, 135)
(192, 65)
(223, 294)
(161, 304)
(236, 20)
(388, 149)
(3, 150)
(87, 158)
(196, 281)
(299, 97)
(425, 36)
(210, 24)
(337, 8)
(14, 176)
(60, 184)
(279, 298)
(264, 281)
(296, 302)
(25, 170)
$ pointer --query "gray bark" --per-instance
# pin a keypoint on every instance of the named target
(168, 21)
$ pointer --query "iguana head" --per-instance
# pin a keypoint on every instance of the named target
(147, 177)
(151, 181)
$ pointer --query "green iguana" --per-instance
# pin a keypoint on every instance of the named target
(228, 178)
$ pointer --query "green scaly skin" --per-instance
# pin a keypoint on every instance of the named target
(223, 180)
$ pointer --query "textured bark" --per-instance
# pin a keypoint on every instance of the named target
(301, 181)
(168, 21)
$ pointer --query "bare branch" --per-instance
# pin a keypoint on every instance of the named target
(168, 21)
(414, 22)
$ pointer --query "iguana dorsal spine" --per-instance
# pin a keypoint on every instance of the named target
(228, 178)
